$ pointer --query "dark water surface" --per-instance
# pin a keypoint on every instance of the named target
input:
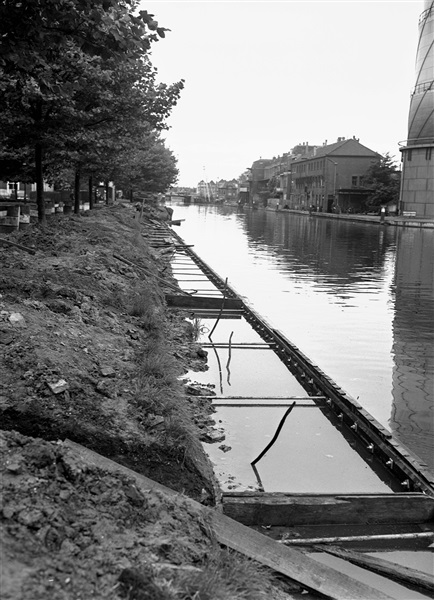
(357, 299)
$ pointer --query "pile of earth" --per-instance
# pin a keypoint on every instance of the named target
(90, 353)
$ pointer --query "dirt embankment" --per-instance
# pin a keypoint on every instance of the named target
(89, 352)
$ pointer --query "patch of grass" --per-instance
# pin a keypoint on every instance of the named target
(157, 385)
(151, 397)
(225, 576)
(197, 328)
(155, 362)
(178, 434)
(159, 392)
(114, 298)
(146, 304)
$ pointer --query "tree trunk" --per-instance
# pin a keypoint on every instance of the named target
(90, 192)
(107, 192)
(131, 194)
(39, 184)
(77, 191)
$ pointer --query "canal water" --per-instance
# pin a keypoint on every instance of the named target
(356, 298)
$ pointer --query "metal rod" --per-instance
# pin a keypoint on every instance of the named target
(220, 370)
(275, 435)
(229, 359)
(220, 313)
(258, 478)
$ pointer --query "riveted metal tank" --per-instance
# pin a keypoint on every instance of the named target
(421, 115)
(417, 182)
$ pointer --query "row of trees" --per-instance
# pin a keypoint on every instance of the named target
(79, 96)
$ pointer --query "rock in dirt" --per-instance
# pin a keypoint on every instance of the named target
(196, 389)
(107, 371)
(213, 436)
(58, 387)
(17, 320)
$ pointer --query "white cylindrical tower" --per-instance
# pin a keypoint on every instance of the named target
(417, 189)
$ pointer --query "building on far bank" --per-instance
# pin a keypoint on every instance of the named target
(206, 191)
(330, 177)
(227, 191)
(417, 184)
(259, 181)
(327, 178)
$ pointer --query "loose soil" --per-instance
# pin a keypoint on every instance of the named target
(89, 352)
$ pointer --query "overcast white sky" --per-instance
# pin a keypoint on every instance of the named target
(261, 77)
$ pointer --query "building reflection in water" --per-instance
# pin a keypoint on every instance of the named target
(412, 418)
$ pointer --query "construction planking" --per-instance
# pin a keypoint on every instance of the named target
(203, 302)
(408, 577)
(388, 455)
(290, 562)
(289, 510)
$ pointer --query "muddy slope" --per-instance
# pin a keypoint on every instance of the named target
(89, 352)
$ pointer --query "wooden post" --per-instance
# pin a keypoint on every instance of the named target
(90, 192)
(39, 184)
(77, 191)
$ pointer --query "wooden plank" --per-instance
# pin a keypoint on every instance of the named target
(404, 575)
(299, 567)
(213, 314)
(260, 398)
(293, 510)
(20, 246)
(264, 403)
(249, 346)
(415, 535)
(236, 347)
(239, 401)
(203, 302)
(290, 562)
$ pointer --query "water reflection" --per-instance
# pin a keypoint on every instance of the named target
(337, 255)
(356, 298)
(413, 347)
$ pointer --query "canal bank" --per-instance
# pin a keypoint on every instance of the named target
(397, 221)
(95, 423)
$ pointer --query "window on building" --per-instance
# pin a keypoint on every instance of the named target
(428, 153)
(409, 155)
(354, 180)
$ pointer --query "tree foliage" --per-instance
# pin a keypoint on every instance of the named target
(77, 85)
(384, 179)
(149, 167)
